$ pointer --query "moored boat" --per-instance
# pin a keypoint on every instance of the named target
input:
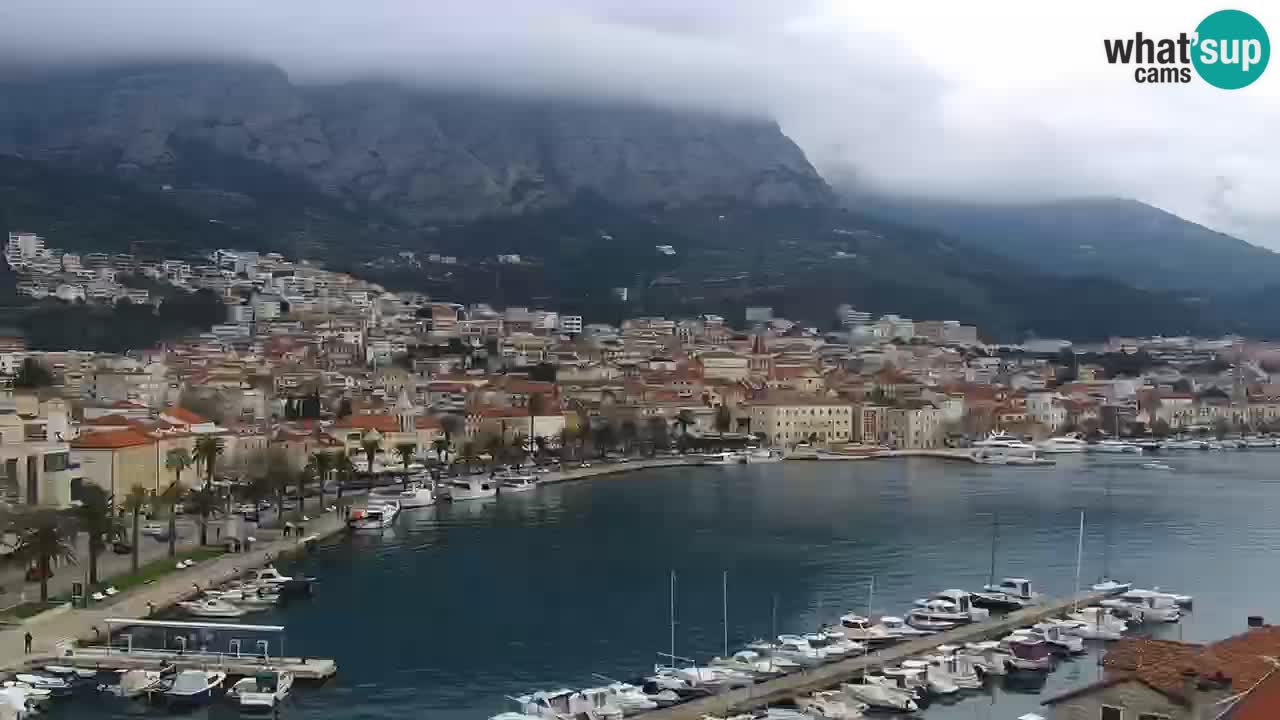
(213, 608)
(263, 691)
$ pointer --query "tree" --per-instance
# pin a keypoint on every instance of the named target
(1160, 428)
(371, 445)
(659, 436)
(300, 482)
(98, 520)
(724, 419)
(171, 498)
(322, 465)
(32, 374)
(628, 432)
(535, 402)
(451, 425)
(684, 419)
(441, 448)
(468, 454)
(205, 503)
(493, 445)
(344, 468)
(605, 438)
(1221, 427)
(405, 451)
(540, 444)
(47, 539)
(133, 504)
(177, 460)
(518, 452)
(207, 451)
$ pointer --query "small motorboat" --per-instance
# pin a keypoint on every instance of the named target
(631, 699)
(960, 667)
(1151, 606)
(1156, 466)
(988, 656)
(247, 598)
(1061, 641)
(193, 687)
(1096, 623)
(52, 683)
(134, 683)
(1107, 585)
(211, 607)
(1013, 589)
(264, 691)
(831, 705)
(20, 701)
(880, 696)
(516, 482)
(1028, 654)
(906, 679)
(753, 663)
(284, 584)
(936, 679)
(413, 495)
(374, 516)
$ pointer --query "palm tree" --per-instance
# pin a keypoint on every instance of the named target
(300, 482)
(518, 444)
(171, 498)
(451, 425)
(724, 419)
(343, 466)
(493, 445)
(405, 451)
(177, 460)
(207, 451)
(98, 520)
(684, 419)
(47, 539)
(279, 482)
(468, 454)
(322, 465)
(540, 443)
(605, 438)
(133, 503)
(658, 434)
(205, 503)
(535, 403)
(629, 433)
(371, 445)
(441, 448)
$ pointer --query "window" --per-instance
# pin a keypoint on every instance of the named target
(54, 462)
(1111, 713)
(1152, 716)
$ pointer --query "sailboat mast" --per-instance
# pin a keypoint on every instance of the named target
(1106, 551)
(871, 595)
(673, 618)
(724, 608)
(1079, 557)
(995, 534)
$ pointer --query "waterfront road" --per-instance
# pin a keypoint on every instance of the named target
(51, 628)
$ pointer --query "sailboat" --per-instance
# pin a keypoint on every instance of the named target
(1105, 584)
(1002, 597)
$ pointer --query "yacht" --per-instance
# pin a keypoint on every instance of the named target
(514, 482)
(1150, 606)
(880, 696)
(212, 608)
(414, 495)
(1096, 623)
(51, 683)
(936, 616)
(956, 606)
(754, 663)
(284, 584)
(247, 597)
(1028, 654)
(800, 653)
(1107, 585)
(1115, 446)
(377, 515)
(1069, 443)
(1001, 448)
(1059, 637)
(936, 680)
(723, 458)
(564, 704)
(631, 699)
(762, 455)
(899, 627)
(831, 705)
(1009, 594)
(835, 642)
(960, 667)
(860, 629)
(193, 687)
(472, 488)
(264, 691)
(988, 656)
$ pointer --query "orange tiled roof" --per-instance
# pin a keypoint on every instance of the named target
(381, 423)
(186, 415)
(111, 440)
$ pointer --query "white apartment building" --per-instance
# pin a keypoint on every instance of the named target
(570, 324)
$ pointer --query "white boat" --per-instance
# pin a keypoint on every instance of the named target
(247, 596)
(599, 703)
(1096, 623)
(264, 691)
(960, 667)
(414, 495)
(377, 515)
(194, 686)
(20, 702)
(752, 662)
(1152, 606)
(713, 678)
(1004, 449)
(761, 455)
(515, 482)
(723, 458)
(988, 656)
(1155, 466)
(831, 705)
(472, 488)
(52, 683)
(878, 696)
(907, 679)
(860, 629)
(1069, 443)
(1115, 446)
(952, 606)
(936, 679)
(563, 704)
(1010, 593)
(1028, 653)
(1259, 442)
(631, 699)
(1059, 637)
(897, 626)
(835, 643)
(210, 607)
(134, 683)
(800, 653)
(513, 716)
(935, 616)
(284, 584)
(70, 671)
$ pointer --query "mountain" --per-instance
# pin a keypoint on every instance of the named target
(1123, 239)
(419, 156)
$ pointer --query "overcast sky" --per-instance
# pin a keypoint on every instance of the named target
(1006, 100)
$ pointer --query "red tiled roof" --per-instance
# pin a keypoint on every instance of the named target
(381, 423)
(111, 440)
(117, 420)
(427, 423)
(1261, 703)
(186, 415)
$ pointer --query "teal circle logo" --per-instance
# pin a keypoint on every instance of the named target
(1232, 49)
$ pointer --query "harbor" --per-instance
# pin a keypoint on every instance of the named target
(819, 533)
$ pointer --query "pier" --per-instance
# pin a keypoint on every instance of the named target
(810, 680)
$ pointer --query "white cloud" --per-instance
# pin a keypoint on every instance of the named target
(998, 101)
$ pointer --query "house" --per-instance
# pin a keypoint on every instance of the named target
(1145, 679)
(118, 459)
(787, 422)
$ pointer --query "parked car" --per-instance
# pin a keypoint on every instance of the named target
(154, 530)
(120, 547)
(33, 573)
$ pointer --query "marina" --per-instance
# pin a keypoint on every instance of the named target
(820, 532)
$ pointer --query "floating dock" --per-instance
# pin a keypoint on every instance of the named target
(788, 687)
